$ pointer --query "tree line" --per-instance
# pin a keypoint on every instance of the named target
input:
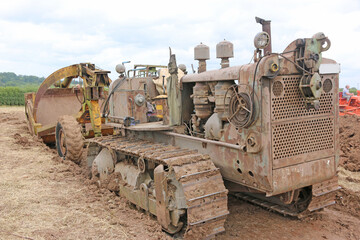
(13, 87)
(10, 79)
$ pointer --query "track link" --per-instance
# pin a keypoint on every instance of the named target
(201, 181)
(323, 195)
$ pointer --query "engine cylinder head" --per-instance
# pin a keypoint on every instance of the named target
(203, 109)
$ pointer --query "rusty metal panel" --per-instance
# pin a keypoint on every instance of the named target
(230, 73)
(299, 135)
(300, 141)
(302, 175)
(125, 106)
(120, 106)
(57, 102)
(162, 213)
(287, 103)
(335, 78)
(70, 71)
(235, 165)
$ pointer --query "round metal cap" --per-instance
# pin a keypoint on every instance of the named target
(201, 52)
(182, 67)
(120, 68)
(224, 49)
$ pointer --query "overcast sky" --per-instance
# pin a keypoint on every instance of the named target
(39, 37)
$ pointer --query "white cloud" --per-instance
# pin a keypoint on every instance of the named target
(39, 37)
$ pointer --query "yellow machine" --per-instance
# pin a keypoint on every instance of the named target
(58, 113)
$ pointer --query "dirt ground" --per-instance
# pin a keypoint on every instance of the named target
(350, 142)
(44, 197)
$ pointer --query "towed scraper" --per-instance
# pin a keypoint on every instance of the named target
(63, 114)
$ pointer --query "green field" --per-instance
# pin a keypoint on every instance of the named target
(13, 87)
(14, 96)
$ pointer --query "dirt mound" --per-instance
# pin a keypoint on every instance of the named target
(348, 201)
(23, 141)
(9, 117)
(349, 142)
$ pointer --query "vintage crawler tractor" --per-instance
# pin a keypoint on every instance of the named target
(351, 107)
(58, 113)
(266, 132)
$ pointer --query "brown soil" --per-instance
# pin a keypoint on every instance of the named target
(350, 142)
(45, 197)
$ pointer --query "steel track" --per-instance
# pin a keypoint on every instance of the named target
(203, 186)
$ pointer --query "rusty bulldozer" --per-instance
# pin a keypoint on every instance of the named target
(266, 132)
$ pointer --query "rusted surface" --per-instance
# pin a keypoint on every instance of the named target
(223, 92)
(256, 170)
(44, 108)
(285, 138)
(266, 27)
(203, 109)
(297, 143)
(162, 213)
(280, 137)
(127, 106)
(227, 157)
(301, 175)
(57, 102)
(230, 73)
(46, 131)
(69, 71)
(324, 194)
(202, 184)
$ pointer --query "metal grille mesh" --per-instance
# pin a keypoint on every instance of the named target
(277, 88)
(327, 86)
(291, 104)
(295, 138)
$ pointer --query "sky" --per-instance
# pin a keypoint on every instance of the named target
(40, 37)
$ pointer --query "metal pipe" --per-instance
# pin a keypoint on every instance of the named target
(223, 144)
(66, 82)
(163, 83)
(224, 74)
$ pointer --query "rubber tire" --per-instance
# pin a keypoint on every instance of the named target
(74, 140)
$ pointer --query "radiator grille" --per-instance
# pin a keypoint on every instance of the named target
(327, 86)
(291, 104)
(295, 138)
